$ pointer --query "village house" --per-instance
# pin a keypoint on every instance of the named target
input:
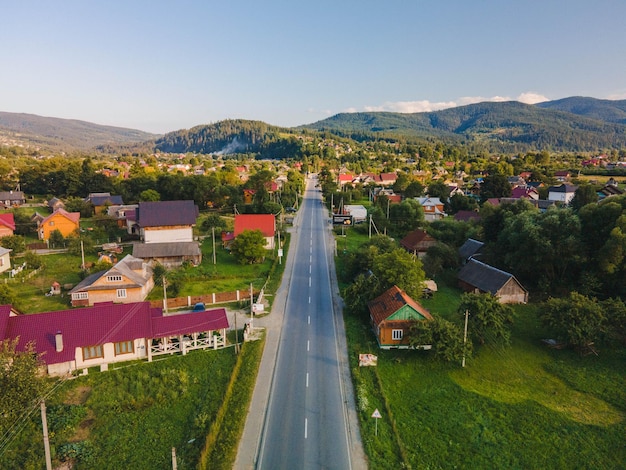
(391, 315)
(433, 208)
(266, 223)
(417, 242)
(563, 193)
(101, 201)
(65, 222)
(77, 339)
(166, 229)
(478, 277)
(5, 259)
(10, 199)
(129, 280)
(55, 203)
(7, 224)
(120, 213)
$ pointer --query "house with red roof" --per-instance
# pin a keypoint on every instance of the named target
(7, 224)
(344, 179)
(525, 192)
(417, 242)
(392, 314)
(266, 223)
(73, 340)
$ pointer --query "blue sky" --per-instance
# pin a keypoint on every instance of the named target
(161, 66)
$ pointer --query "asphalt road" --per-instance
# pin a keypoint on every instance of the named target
(305, 425)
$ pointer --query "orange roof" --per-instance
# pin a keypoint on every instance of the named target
(266, 223)
(390, 301)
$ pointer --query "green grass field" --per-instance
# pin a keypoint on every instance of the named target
(523, 406)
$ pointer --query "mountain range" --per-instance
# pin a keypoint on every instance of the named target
(575, 124)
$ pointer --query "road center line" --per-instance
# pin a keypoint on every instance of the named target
(309, 320)
(306, 425)
(307, 380)
(309, 281)
(308, 343)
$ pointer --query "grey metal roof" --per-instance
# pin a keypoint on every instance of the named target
(485, 277)
(165, 250)
(470, 248)
(167, 213)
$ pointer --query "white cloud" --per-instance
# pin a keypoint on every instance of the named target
(424, 106)
(530, 97)
(617, 96)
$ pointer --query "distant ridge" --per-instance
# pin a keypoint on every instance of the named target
(590, 125)
(68, 134)
(603, 110)
(575, 124)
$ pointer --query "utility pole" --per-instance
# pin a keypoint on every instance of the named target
(174, 464)
(164, 294)
(251, 306)
(82, 254)
(236, 336)
(213, 234)
(465, 337)
(46, 442)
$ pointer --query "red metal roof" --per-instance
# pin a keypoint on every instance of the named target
(187, 323)
(266, 223)
(8, 220)
(100, 324)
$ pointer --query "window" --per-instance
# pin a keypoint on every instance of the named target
(80, 295)
(396, 335)
(124, 347)
(92, 352)
(121, 293)
(51, 223)
(115, 278)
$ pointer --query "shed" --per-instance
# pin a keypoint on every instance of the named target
(477, 277)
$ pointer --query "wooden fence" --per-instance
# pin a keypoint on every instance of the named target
(208, 299)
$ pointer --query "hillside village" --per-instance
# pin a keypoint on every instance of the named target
(485, 226)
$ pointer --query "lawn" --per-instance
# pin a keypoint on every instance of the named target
(518, 407)
(132, 416)
(523, 406)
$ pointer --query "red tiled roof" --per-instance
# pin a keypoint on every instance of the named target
(390, 301)
(266, 223)
(8, 220)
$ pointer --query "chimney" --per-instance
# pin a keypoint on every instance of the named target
(58, 340)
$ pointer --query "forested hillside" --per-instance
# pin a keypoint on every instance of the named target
(229, 137)
(65, 134)
(603, 110)
(504, 127)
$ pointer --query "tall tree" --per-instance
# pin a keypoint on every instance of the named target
(489, 320)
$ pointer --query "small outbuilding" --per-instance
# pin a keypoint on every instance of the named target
(479, 277)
